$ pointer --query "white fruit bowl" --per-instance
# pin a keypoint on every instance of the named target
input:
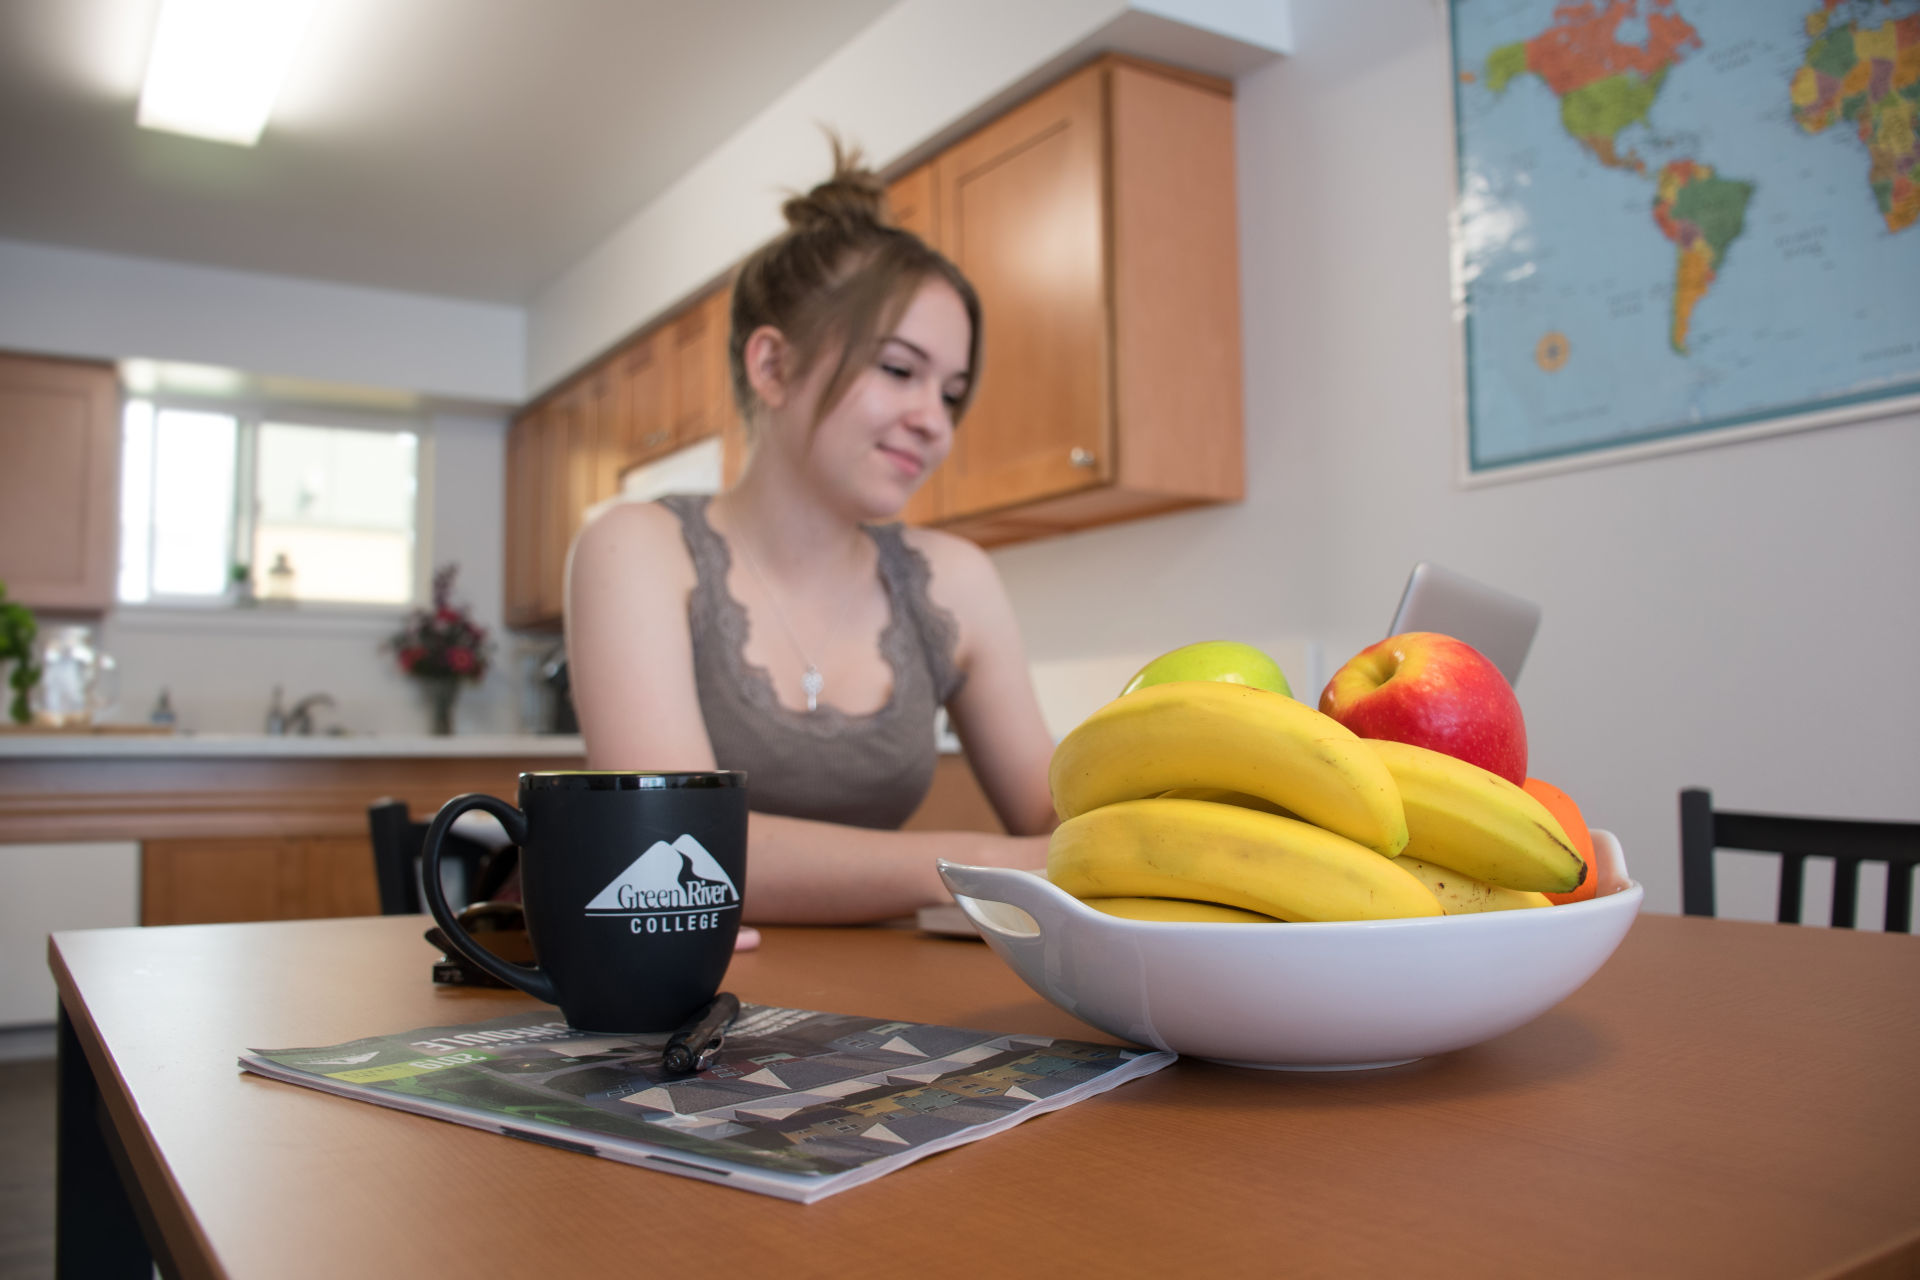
(1300, 997)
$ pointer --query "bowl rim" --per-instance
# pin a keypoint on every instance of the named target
(1608, 858)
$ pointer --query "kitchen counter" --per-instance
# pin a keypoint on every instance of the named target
(144, 787)
(533, 748)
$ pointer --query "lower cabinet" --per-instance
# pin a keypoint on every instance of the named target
(215, 881)
(210, 839)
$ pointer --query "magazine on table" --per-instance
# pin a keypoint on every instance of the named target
(797, 1104)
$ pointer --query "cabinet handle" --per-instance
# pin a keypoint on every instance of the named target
(1082, 458)
(653, 438)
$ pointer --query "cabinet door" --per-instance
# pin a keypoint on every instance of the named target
(607, 427)
(215, 881)
(1022, 212)
(645, 393)
(913, 205)
(723, 410)
(561, 428)
(59, 483)
(525, 484)
(689, 339)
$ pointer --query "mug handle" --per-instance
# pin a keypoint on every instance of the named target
(530, 980)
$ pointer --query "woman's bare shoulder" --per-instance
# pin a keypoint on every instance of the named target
(950, 558)
(627, 538)
(629, 526)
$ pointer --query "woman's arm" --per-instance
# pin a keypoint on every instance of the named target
(995, 712)
(630, 660)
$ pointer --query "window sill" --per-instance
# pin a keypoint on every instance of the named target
(258, 619)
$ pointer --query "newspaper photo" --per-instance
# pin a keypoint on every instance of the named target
(797, 1104)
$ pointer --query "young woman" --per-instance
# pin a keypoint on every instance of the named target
(789, 627)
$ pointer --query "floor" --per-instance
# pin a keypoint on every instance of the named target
(26, 1169)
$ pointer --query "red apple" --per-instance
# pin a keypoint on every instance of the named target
(1436, 692)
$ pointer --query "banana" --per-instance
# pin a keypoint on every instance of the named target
(1461, 895)
(1227, 854)
(1463, 818)
(1176, 910)
(1205, 733)
(1221, 796)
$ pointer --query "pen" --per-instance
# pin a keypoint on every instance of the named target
(692, 1047)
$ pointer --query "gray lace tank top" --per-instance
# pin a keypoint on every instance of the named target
(859, 770)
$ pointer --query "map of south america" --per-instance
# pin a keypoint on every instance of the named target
(1702, 215)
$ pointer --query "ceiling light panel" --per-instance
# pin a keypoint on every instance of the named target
(217, 64)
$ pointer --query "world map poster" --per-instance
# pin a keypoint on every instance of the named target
(1683, 216)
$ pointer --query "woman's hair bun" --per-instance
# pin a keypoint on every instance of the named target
(852, 197)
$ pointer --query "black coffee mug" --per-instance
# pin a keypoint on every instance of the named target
(631, 884)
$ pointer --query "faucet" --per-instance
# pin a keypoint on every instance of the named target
(300, 719)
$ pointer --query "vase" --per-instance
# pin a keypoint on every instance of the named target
(441, 693)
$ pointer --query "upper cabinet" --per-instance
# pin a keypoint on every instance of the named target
(663, 389)
(59, 483)
(1097, 222)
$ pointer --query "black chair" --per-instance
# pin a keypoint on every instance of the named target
(1846, 841)
(397, 841)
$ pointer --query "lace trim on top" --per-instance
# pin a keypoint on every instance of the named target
(905, 575)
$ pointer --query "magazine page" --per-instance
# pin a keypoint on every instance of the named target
(797, 1104)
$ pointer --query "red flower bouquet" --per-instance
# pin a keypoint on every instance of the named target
(442, 640)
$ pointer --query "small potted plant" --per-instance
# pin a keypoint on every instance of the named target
(17, 631)
(442, 647)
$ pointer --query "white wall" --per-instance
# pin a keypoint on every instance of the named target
(1733, 617)
(102, 306)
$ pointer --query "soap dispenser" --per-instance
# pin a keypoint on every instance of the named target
(276, 716)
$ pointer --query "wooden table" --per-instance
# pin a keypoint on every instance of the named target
(1723, 1099)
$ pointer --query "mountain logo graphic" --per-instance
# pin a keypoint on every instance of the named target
(681, 876)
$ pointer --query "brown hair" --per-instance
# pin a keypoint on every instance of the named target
(839, 276)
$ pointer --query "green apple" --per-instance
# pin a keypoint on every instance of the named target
(1228, 661)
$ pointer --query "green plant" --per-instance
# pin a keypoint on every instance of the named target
(17, 630)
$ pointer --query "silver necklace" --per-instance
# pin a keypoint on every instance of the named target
(811, 681)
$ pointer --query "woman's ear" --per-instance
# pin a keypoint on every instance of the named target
(765, 357)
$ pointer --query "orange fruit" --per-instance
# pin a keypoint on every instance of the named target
(1562, 807)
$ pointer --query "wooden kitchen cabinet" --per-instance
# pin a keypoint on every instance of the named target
(661, 390)
(251, 835)
(641, 370)
(525, 481)
(1097, 222)
(911, 204)
(59, 483)
(226, 879)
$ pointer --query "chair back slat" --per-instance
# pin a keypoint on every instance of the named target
(1846, 887)
(1795, 839)
(1793, 878)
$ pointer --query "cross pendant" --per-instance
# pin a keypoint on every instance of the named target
(812, 682)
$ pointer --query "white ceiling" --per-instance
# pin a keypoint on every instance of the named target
(464, 148)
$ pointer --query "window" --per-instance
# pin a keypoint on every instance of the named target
(222, 506)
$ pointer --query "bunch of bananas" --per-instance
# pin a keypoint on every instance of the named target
(1203, 800)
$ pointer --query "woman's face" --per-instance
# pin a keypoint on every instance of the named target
(895, 423)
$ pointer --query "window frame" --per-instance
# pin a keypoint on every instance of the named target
(250, 413)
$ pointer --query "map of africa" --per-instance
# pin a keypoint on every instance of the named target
(1682, 215)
